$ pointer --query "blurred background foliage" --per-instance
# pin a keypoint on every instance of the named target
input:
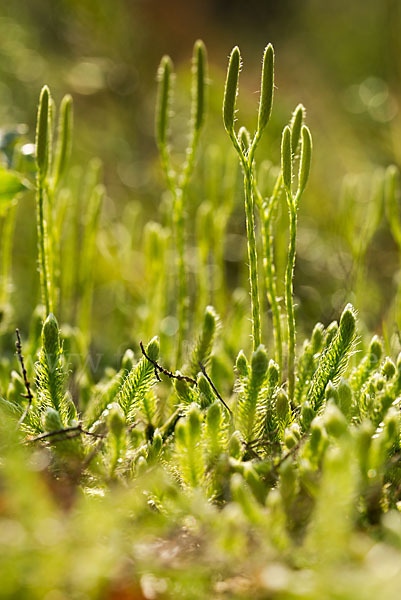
(341, 59)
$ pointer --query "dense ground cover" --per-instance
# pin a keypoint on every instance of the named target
(228, 456)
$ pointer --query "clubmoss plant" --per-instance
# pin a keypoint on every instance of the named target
(246, 153)
(249, 388)
(138, 381)
(64, 141)
(178, 181)
(268, 210)
(333, 359)
(293, 203)
(43, 132)
(289, 477)
(60, 164)
(204, 346)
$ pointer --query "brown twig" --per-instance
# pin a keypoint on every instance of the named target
(28, 394)
(215, 390)
(77, 430)
(160, 369)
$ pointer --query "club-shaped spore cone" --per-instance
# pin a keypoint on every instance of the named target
(199, 66)
(297, 120)
(306, 158)
(42, 132)
(267, 88)
(164, 77)
(286, 159)
(64, 137)
(231, 89)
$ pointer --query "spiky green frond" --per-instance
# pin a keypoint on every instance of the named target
(215, 432)
(368, 364)
(116, 439)
(334, 358)
(138, 381)
(307, 363)
(149, 407)
(246, 410)
(267, 409)
(103, 394)
(204, 346)
(49, 370)
(188, 449)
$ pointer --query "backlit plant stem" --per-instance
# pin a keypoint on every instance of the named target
(253, 262)
(42, 162)
(251, 243)
(42, 236)
(289, 293)
(287, 148)
(246, 156)
(266, 216)
(61, 159)
(179, 225)
(286, 169)
(178, 184)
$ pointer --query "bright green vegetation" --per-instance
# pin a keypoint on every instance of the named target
(198, 466)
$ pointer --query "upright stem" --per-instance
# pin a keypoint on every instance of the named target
(251, 240)
(289, 301)
(270, 275)
(179, 223)
(42, 237)
(52, 245)
(253, 260)
(266, 216)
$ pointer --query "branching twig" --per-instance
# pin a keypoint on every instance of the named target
(77, 429)
(215, 390)
(28, 395)
(160, 369)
